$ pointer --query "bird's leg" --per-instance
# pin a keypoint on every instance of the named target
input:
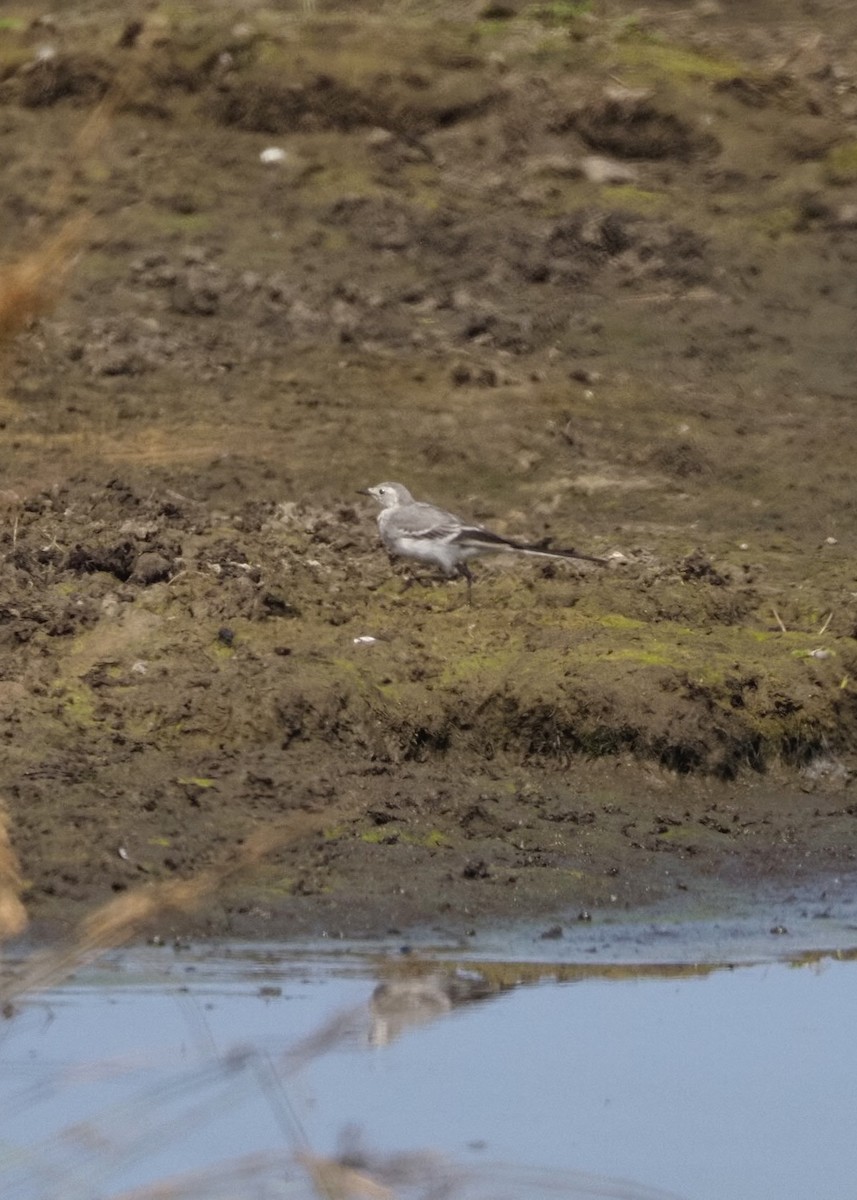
(404, 572)
(412, 579)
(409, 575)
(465, 573)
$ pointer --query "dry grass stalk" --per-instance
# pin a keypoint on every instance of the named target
(13, 915)
(32, 285)
(337, 1182)
(225, 1180)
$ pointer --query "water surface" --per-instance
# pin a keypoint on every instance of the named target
(711, 1083)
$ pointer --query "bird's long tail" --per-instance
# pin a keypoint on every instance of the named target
(521, 549)
(486, 541)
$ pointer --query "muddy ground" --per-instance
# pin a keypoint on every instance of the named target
(582, 271)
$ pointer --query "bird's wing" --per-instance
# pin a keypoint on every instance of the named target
(478, 533)
(424, 521)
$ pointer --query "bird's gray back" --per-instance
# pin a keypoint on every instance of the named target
(418, 519)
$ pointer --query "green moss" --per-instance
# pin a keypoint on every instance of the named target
(334, 240)
(13, 56)
(561, 12)
(645, 657)
(778, 221)
(353, 177)
(680, 835)
(672, 61)
(626, 195)
(183, 223)
(377, 836)
(77, 701)
(423, 186)
(840, 166)
(492, 29)
(382, 834)
(619, 621)
(481, 663)
(283, 885)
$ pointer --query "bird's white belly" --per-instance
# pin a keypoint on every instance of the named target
(436, 553)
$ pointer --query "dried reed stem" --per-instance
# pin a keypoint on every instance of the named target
(124, 918)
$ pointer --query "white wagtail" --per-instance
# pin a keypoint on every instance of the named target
(413, 529)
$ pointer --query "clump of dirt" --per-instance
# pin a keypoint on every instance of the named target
(632, 127)
(320, 253)
(81, 78)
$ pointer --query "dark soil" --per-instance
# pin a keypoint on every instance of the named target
(584, 275)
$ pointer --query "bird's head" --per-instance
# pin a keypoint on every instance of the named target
(388, 495)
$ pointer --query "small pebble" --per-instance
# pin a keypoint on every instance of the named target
(272, 154)
(604, 170)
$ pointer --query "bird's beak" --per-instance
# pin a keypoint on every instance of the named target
(363, 492)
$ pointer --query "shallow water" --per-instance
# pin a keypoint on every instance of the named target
(712, 1083)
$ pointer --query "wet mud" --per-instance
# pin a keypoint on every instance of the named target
(581, 274)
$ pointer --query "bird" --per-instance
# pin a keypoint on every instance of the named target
(416, 529)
